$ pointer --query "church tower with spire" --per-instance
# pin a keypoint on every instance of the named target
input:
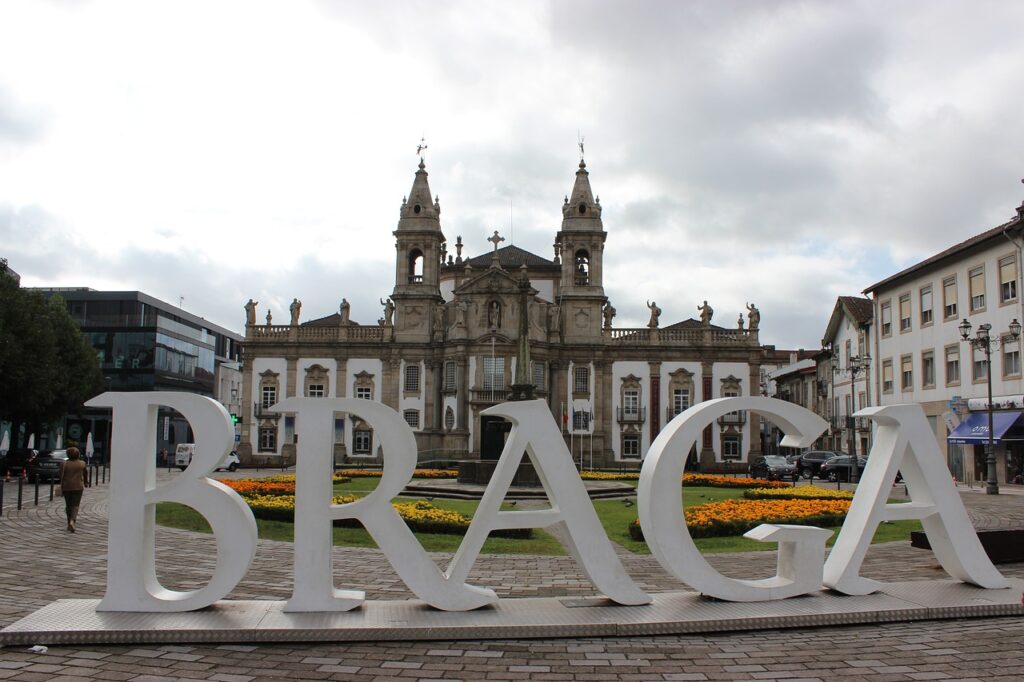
(580, 245)
(419, 245)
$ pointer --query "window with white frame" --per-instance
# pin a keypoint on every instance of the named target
(1008, 279)
(905, 312)
(887, 318)
(949, 307)
(631, 403)
(412, 418)
(315, 391)
(494, 373)
(907, 373)
(449, 375)
(412, 378)
(631, 446)
(581, 380)
(538, 374)
(976, 285)
(887, 376)
(364, 393)
(952, 365)
(268, 439)
(268, 396)
(1011, 357)
(680, 400)
(362, 442)
(730, 447)
(926, 305)
(580, 420)
(928, 369)
(980, 365)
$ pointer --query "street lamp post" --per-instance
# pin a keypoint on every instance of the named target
(855, 365)
(984, 341)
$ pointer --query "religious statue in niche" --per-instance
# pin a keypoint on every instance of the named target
(609, 314)
(754, 315)
(494, 315)
(250, 313)
(438, 326)
(706, 312)
(655, 314)
(554, 318)
(461, 308)
(389, 311)
(294, 309)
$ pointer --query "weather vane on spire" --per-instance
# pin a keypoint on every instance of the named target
(421, 147)
(580, 137)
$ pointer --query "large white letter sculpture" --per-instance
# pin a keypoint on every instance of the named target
(535, 433)
(314, 586)
(801, 548)
(904, 442)
(132, 584)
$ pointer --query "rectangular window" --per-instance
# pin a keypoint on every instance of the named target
(731, 447)
(581, 380)
(412, 378)
(979, 364)
(905, 312)
(315, 391)
(887, 376)
(412, 418)
(952, 365)
(887, 318)
(268, 396)
(494, 374)
(849, 351)
(976, 285)
(631, 403)
(631, 446)
(364, 393)
(268, 439)
(928, 369)
(906, 373)
(580, 420)
(1011, 357)
(362, 442)
(680, 400)
(1008, 279)
(449, 376)
(538, 374)
(926, 306)
(949, 309)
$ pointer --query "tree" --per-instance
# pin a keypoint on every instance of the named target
(47, 368)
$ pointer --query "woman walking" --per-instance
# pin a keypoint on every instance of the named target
(74, 478)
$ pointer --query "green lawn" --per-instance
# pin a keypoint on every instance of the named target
(615, 516)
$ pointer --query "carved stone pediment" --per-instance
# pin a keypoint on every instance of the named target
(491, 282)
(269, 374)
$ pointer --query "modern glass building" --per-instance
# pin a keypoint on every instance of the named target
(145, 344)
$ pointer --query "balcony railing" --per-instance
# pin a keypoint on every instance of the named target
(733, 418)
(631, 415)
(489, 395)
(264, 412)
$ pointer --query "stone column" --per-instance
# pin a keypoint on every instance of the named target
(603, 389)
(389, 382)
(432, 394)
(557, 393)
(291, 376)
(753, 420)
(462, 379)
(245, 447)
(654, 402)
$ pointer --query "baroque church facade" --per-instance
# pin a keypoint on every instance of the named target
(458, 333)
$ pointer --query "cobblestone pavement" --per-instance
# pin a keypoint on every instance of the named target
(40, 562)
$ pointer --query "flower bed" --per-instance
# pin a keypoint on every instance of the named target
(729, 482)
(610, 475)
(735, 517)
(377, 473)
(804, 492)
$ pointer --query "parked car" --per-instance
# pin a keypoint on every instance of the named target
(231, 462)
(772, 467)
(810, 462)
(46, 465)
(838, 468)
(17, 459)
(184, 452)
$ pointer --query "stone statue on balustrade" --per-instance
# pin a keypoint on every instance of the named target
(655, 314)
(389, 312)
(706, 313)
(294, 309)
(609, 314)
(344, 311)
(250, 313)
(754, 315)
(270, 318)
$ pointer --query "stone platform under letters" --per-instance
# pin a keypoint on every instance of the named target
(76, 621)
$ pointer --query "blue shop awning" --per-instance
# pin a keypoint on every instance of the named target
(974, 429)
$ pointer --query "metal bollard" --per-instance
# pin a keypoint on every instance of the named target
(36, 501)
(21, 485)
(51, 488)
(2, 486)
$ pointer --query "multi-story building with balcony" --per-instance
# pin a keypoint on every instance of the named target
(844, 374)
(446, 348)
(921, 357)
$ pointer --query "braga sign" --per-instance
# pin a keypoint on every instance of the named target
(903, 441)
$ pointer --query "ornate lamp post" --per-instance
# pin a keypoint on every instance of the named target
(984, 341)
(856, 365)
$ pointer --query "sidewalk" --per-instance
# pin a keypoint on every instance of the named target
(40, 562)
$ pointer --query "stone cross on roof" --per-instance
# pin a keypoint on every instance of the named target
(421, 147)
(495, 239)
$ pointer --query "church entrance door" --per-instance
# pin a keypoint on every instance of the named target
(492, 436)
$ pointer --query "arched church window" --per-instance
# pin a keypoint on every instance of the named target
(415, 266)
(583, 208)
(449, 419)
(582, 272)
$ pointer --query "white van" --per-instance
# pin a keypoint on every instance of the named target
(183, 457)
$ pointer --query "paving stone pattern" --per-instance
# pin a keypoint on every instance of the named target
(40, 562)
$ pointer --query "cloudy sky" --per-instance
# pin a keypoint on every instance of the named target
(776, 152)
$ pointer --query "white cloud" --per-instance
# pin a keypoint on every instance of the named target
(777, 152)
